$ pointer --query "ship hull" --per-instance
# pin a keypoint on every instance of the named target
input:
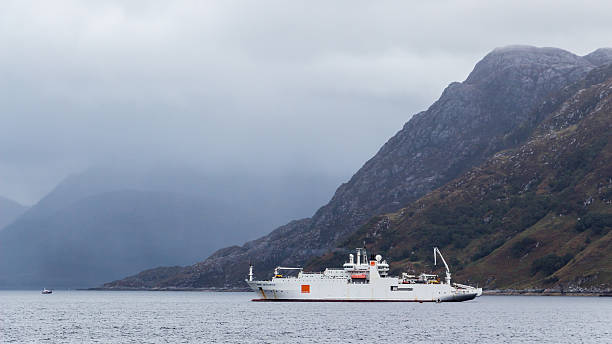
(333, 300)
(338, 290)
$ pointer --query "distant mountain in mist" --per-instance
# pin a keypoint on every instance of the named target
(106, 223)
(9, 211)
(502, 105)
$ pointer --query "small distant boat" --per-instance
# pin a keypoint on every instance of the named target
(46, 291)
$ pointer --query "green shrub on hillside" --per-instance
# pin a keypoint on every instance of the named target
(598, 223)
(550, 263)
(551, 280)
(486, 249)
(520, 248)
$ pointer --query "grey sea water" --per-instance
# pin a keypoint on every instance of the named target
(203, 317)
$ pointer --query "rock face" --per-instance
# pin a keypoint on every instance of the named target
(536, 216)
(469, 123)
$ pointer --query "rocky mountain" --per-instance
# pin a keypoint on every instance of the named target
(107, 223)
(9, 211)
(497, 107)
(535, 216)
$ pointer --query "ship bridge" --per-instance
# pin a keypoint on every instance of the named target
(360, 269)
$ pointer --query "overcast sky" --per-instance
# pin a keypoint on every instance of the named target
(272, 85)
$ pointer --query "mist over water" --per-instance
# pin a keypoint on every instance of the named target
(202, 317)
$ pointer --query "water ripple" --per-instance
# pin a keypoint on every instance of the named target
(192, 317)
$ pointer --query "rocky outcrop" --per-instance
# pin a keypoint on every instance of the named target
(469, 123)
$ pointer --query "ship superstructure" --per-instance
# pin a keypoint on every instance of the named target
(360, 279)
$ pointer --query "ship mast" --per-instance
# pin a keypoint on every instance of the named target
(448, 274)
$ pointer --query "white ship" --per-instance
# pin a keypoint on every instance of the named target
(362, 280)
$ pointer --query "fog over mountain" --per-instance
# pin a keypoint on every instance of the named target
(9, 211)
(496, 108)
(108, 221)
(264, 86)
(252, 113)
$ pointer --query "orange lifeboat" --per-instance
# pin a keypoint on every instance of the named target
(358, 276)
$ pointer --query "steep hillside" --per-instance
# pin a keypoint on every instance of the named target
(9, 211)
(538, 216)
(469, 123)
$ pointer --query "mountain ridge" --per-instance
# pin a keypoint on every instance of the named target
(558, 185)
(468, 123)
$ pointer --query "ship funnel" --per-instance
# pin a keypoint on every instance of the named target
(351, 258)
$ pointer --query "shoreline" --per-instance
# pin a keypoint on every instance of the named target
(492, 292)
(221, 290)
(544, 292)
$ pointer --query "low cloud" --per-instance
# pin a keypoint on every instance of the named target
(263, 85)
